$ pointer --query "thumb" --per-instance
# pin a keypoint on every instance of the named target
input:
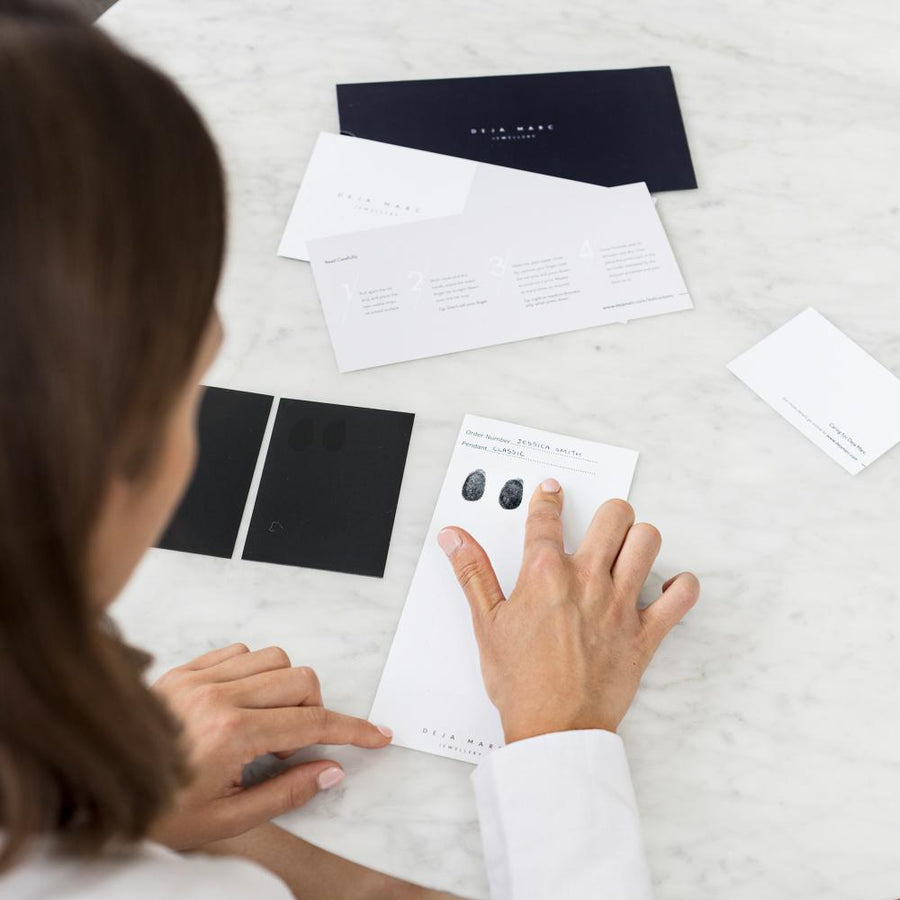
(298, 785)
(679, 595)
(473, 570)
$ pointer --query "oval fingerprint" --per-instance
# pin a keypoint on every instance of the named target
(473, 486)
(511, 494)
(334, 435)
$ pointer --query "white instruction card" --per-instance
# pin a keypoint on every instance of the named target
(514, 265)
(417, 254)
(827, 387)
(431, 692)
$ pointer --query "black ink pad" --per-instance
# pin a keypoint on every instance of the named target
(230, 430)
(329, 488)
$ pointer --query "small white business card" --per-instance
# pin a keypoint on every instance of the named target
(827, 387)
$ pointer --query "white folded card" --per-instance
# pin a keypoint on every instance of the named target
(827, 387)
(430, 254)
(431, 692)
(351, 185)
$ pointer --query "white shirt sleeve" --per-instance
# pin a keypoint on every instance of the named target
(147, 871)
(559, 819)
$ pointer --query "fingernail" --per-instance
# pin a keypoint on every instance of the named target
(448, 540)
(385, 731)
(550, 486)
(329, 778)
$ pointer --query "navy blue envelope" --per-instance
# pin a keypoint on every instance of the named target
(603, 127)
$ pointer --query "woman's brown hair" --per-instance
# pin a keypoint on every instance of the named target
(111, 241)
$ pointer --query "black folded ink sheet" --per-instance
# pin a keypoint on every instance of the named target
(231, 425)
(603, 127)
(330, 487)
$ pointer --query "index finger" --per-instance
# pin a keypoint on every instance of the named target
(543, 527)
(287, 728)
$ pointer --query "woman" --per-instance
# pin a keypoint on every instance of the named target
(111, 242)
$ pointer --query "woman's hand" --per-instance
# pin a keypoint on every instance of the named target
(235, 706)
(568, 648)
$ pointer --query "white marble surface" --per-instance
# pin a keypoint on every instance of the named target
(764, 740)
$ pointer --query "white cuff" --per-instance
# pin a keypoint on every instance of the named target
(559, 820)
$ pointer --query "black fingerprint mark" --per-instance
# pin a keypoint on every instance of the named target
(334, 435)
(473, 486)
(301, 436)
(511, 494)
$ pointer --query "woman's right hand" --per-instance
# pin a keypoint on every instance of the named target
(568, 648)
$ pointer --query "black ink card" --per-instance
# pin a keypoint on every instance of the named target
(330, 486)
(604, 127)
(231, 425)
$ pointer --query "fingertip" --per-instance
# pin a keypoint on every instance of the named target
(652, 533)
(693, 586)
(374, 737)
(688, 583)
(449, 540)
(330, 777)
(549, 490)
(547, 495)
(678, 597)
(621, 506)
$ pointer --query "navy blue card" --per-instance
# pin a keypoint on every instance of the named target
(603, 127)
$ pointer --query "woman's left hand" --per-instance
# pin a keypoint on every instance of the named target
(235, 706)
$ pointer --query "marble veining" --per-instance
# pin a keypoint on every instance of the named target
(764, 740)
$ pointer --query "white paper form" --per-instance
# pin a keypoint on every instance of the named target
(531, 255)
(827, 387)
(352, 184)
(431, 692)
